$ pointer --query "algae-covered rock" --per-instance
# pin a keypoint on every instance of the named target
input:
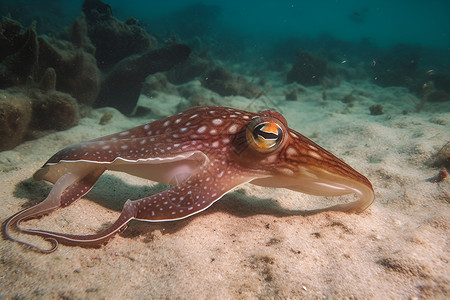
(15, 117)
(25, 114)
(53, 110)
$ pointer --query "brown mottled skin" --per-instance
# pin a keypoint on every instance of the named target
(204, 152)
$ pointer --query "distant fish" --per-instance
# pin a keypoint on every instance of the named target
(359, 16)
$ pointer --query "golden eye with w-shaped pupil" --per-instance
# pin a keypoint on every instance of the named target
(264, 136)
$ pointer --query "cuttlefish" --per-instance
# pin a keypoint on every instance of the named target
(204, 153)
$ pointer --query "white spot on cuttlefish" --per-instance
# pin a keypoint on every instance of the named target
(217, 122)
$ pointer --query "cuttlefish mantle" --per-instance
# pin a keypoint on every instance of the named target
(204, 152)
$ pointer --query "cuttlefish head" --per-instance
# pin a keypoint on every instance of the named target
(284, 158)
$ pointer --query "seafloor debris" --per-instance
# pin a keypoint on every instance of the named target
(105, 118)
(440, 176)
(376, 109)
(442, 157)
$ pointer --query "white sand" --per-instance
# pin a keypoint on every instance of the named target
(247, 245)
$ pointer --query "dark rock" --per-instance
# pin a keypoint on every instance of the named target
(122, 85)
(397, 67)
(220, 80)
(15, 117)
(438, 96)
(96, 10)
(441, 81)
(308, 70)
(114, 40)
(11, 39)
(224, 83)
(18, 62)
(193, 67)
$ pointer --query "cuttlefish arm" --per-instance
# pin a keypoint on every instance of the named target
(67, 189)
(178, 202)
(204, 152)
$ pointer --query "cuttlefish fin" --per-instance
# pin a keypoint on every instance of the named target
(66, 190)
(192, 196)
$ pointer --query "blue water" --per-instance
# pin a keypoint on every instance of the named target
(384, 22)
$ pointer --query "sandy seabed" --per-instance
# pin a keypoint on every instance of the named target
(250, 244)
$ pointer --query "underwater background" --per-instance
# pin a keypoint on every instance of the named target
(367, 80)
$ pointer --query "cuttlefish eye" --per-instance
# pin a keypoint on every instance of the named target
(264, 136)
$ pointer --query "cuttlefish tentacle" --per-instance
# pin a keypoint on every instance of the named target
(194, 195)
(204, 152)
(67, 189)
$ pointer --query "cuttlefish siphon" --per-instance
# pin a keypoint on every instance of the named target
(204, 152)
